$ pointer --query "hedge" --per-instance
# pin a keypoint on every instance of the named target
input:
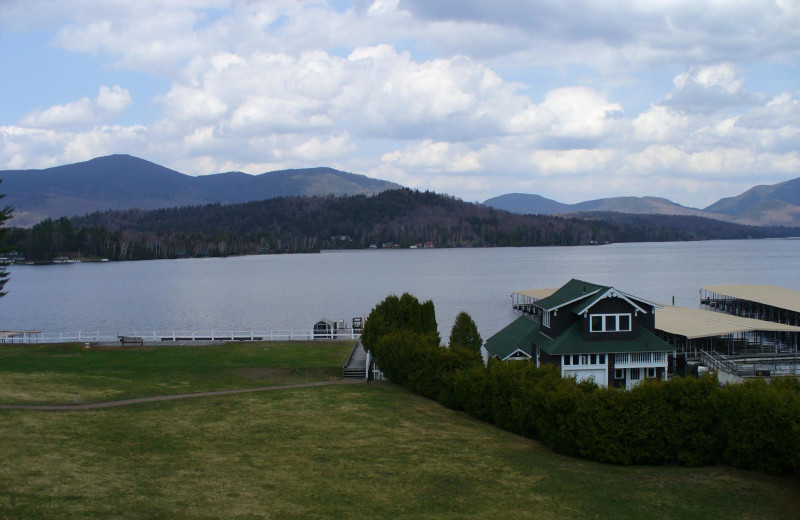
(684, 421)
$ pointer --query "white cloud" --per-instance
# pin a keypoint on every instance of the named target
(659, 124)
(464, 96)
(707, 89)
(44, 148)
(441, 156)
(108, 103)
(316, 149)
(581, 112)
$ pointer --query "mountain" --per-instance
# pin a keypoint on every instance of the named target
(777, 204)
(766, 205)
(525, 204)
(538, 205)
(118, 182)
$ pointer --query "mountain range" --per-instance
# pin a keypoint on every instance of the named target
(120, 182)
(766, 205)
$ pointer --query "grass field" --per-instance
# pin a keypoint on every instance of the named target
(340, 451)
(58, 374)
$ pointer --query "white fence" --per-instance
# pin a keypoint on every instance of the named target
(177, 335)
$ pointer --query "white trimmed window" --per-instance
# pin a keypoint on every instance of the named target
(650, 372)
(546, 319)
(609, 323)
(619, 373)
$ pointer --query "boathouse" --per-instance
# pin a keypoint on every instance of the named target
(324, 329)
(590, 331)
(725, 335)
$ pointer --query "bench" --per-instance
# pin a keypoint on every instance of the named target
(132, 340)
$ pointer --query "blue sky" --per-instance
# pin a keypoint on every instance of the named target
(688, 100)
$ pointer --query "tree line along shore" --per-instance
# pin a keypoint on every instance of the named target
(397, 218)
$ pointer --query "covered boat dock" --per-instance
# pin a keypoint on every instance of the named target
(734, 345)
(692, 330)
(524, 300)
(761, 302)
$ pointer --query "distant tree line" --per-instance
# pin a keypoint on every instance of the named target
(395, 218)
(684, 421)
(6, 212)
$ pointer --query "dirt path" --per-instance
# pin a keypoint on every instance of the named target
(125, 402)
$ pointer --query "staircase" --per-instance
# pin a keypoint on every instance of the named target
(356, 366)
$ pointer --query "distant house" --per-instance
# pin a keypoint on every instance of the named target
(324, 329)
(591, 332)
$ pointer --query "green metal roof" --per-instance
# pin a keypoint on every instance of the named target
(523, 332)
(579, 296)
(517, 335)
(571, 342)
(571, 292)
(582, 306)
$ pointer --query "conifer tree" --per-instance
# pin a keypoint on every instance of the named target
(403, 314)
(465, 333)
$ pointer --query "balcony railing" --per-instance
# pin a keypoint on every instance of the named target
(640, 359)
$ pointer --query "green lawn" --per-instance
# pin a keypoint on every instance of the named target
(340, 451)
(58, 374)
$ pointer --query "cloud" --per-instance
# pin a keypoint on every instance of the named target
(707, 89)
(26, 148)
(639, 32)
(108, 103)
(562, 99)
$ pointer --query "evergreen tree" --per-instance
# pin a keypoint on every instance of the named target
(6, 213)
(465, 333)
(403, 314)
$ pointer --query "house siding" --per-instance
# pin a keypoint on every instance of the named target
(560, 322)
(617, 306)
(545, 358)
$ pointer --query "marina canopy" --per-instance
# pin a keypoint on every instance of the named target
(779, 297)
(698, 323)
(537, 294)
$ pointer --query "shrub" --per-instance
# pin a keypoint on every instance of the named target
(760, 425)
(394, 314)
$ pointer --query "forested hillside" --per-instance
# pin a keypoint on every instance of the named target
(396, 218)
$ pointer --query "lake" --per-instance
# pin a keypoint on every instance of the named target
(284, 292)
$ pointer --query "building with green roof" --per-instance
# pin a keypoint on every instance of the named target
(591, 332)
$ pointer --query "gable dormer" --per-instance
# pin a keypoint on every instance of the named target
(614, 315)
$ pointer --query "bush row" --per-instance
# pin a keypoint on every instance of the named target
(684, 421)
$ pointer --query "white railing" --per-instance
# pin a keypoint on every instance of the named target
(179, 335)
(640, 359)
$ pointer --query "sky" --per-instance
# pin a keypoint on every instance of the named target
(572, 100)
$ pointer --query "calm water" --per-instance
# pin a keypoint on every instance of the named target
(294, 291)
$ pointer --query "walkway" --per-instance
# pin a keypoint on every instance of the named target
(125, 402)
